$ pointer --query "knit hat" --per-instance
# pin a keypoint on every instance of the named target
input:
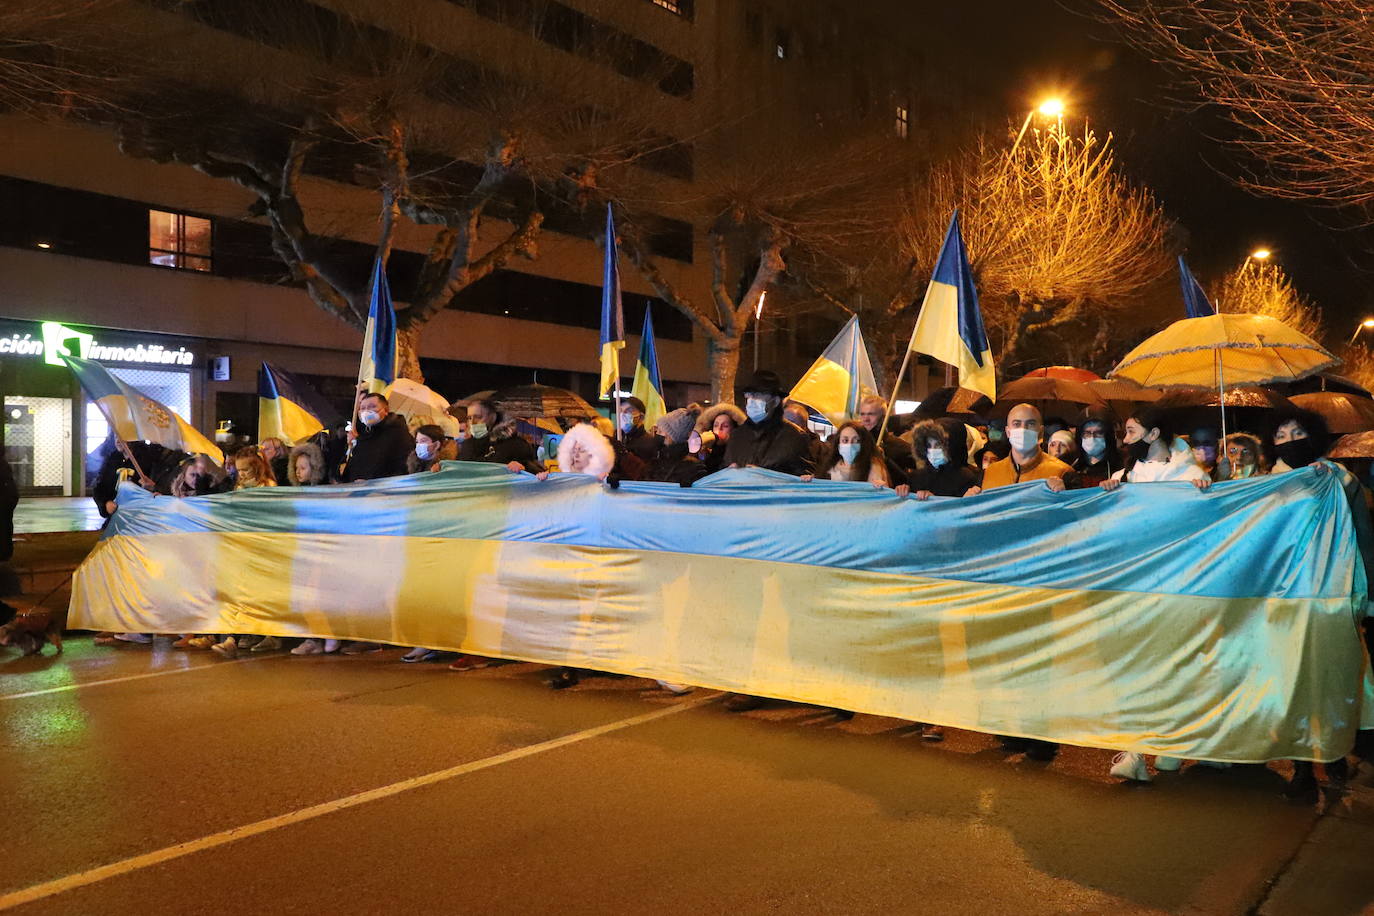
(676, 425)
(1064, 437)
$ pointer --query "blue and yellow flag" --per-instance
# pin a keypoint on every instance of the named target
(840, 378)
(134, 416)
(1194, 299)
(950, 326)
(378, 367)
(289, 409)
(647, 386)
(612, 316)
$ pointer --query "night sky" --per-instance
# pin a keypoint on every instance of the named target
(1032, 48)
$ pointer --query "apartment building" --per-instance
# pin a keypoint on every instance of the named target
(168, 276)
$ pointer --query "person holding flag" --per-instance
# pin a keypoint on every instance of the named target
(647, 386)
(381, 441)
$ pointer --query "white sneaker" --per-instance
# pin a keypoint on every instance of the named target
(229, 648)
(309, 647)
(1131, 766)
(676, 690)
(331, 645)
(141, 638)
(1168, 764)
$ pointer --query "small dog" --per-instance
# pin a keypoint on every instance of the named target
(30, 629)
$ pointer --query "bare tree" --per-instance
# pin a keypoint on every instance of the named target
(1264, 289)
(1357, 364)
(476, 154)
(774, 203)
(1056, 236)
(1292, 78)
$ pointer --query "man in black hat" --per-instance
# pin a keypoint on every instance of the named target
(767, 439)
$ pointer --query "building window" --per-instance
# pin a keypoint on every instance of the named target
(177, 240)
(676, 7)
(903, 121)
(783, 43)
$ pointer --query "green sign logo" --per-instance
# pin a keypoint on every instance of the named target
(57, 340)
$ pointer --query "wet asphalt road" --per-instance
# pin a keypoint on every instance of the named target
(501, 796)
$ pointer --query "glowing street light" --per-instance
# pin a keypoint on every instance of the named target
(1261, 254)
(758, 316)
(1366, 325)
(1052, 107)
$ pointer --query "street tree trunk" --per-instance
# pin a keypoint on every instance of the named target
(408, 353)
(722, 360)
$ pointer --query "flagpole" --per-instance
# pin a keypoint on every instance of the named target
(896, 387)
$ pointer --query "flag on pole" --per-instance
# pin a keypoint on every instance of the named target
(647, 386)
(1194, 299)
(612, 316)
(950, 326)
(378, 366)
(840, 378)
(136, 417)
(289, 409)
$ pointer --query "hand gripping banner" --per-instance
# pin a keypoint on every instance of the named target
(1219, 625)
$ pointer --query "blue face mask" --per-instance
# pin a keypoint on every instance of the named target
(424, 452)
(756, 408)
(849, 451)
(627, 423)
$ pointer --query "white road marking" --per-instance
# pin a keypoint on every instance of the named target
(130, 677)
(123, 867)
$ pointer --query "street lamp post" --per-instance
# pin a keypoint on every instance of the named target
(758, 319)
(1050, 108)
(1365, 325)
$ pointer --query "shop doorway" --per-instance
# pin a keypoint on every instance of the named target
(38, 444)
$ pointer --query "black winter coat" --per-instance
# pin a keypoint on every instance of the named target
(381, 450)
(775, 444)
(500, 451)
(676, 466)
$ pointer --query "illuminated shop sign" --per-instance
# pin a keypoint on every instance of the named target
(55, 340)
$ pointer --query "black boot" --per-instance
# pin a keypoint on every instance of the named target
(564, 678)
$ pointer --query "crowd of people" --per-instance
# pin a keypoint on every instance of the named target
(918, 457)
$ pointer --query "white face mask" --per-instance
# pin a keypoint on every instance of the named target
(756, 408)
(370, 417)
(849, 451)
(1094, 446)
(424, 452)
(478, 430)
(937, 457)
(1023, 440)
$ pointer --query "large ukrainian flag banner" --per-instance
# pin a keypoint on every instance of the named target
(134, 416)
(950, 326)
(840, 377)
(1220, 625)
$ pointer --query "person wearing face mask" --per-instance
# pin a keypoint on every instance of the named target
(1028, 461)
(716, 424)
(431, 447)
(767, 439)
(1098, 456)
(383, 442)
(679, 460)
(1242, 458)
(1300, 437)
(1204, 443)
(495, 440)
(940, 452)
(640, 442)
(1155, 454)
(851, 456)
(985, 456)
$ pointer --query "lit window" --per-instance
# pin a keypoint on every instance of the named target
(783, 42)
(177, 240)
(672, 6)
(903, 124)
